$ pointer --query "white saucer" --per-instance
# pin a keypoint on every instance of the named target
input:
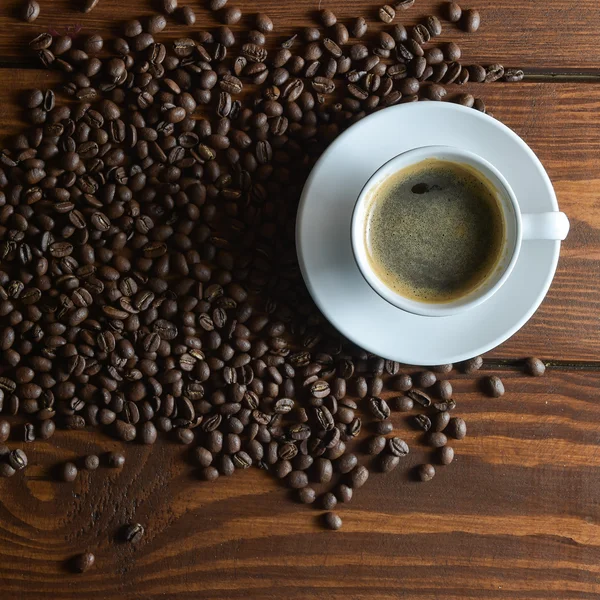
(325, 253)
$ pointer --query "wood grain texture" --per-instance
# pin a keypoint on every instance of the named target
(560, 122)
(555, 35)
(516, 516)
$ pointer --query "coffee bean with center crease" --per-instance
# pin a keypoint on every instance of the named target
(133, 533)
(470, 20)
(386, 13)
(30, 11)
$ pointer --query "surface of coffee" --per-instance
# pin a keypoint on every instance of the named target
(434, 231)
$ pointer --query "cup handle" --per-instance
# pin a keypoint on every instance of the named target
(545, 226)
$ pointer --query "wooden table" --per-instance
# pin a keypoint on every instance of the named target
(518, 513)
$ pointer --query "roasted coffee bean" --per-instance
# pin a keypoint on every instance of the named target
(328, 18)
(472, 365)
(68, 472)
(376, 445)
(535, 367)
(420, 397)
(332, 521)
(446, 455)
(513, 75)
(397, 447)
(403, 383)
(297, 479)
(440, 421)
(17, 459)
(4, 430)
(452, 12)
(479, 105)
(187, 15)
(91, 462)
(422, 422)
(6, 470)
(436, 439)
(230, 15)
(470, 20)
(307, 495)
(493, 73)
(386, 13)
(83, 562)
(358, 477)
(436, 92)
(388, 462)
(359, 27)
(115, 460)
(379, 408)
(426, 472)
(30, 11)
(457, 428)
(444, 390)
(403, 403)
(133, 533)
(493, 386)
(264, 23)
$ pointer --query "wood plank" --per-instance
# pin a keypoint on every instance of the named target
(516, 516)
(561, 36)
(560, 123)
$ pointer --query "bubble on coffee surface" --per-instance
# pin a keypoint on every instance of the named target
(434, 231)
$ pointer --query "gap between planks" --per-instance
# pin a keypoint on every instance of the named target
(531, 75)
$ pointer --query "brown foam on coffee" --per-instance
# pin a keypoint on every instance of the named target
(434, 231)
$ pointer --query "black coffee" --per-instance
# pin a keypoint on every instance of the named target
(434, 231)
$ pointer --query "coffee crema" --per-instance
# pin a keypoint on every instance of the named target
(434, 231)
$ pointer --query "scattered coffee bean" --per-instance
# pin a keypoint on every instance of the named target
(328, 18)
(359, 27)
(344, 493)
(83, 562)
(30, 11)
(91, 462)
(535, 367)
(444, 390)
(513, 75)
(457, 428)
(264, 23)
(426, 472)
(388, 462)
(470, 20)
(332, 521)
(387, 14)
(17, 459)
(453, 12)
(472, 365)
(170, 6)
(68, 472)
(133, 533)
(493, 386)
(115, 460)
(436, 439)
(440, 420)
(446, 455)
(397, 447)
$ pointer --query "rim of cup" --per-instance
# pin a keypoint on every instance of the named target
(512, 235)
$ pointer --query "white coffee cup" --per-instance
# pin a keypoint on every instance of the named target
(519, 228)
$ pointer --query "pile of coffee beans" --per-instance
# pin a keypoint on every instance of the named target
(148, 277)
